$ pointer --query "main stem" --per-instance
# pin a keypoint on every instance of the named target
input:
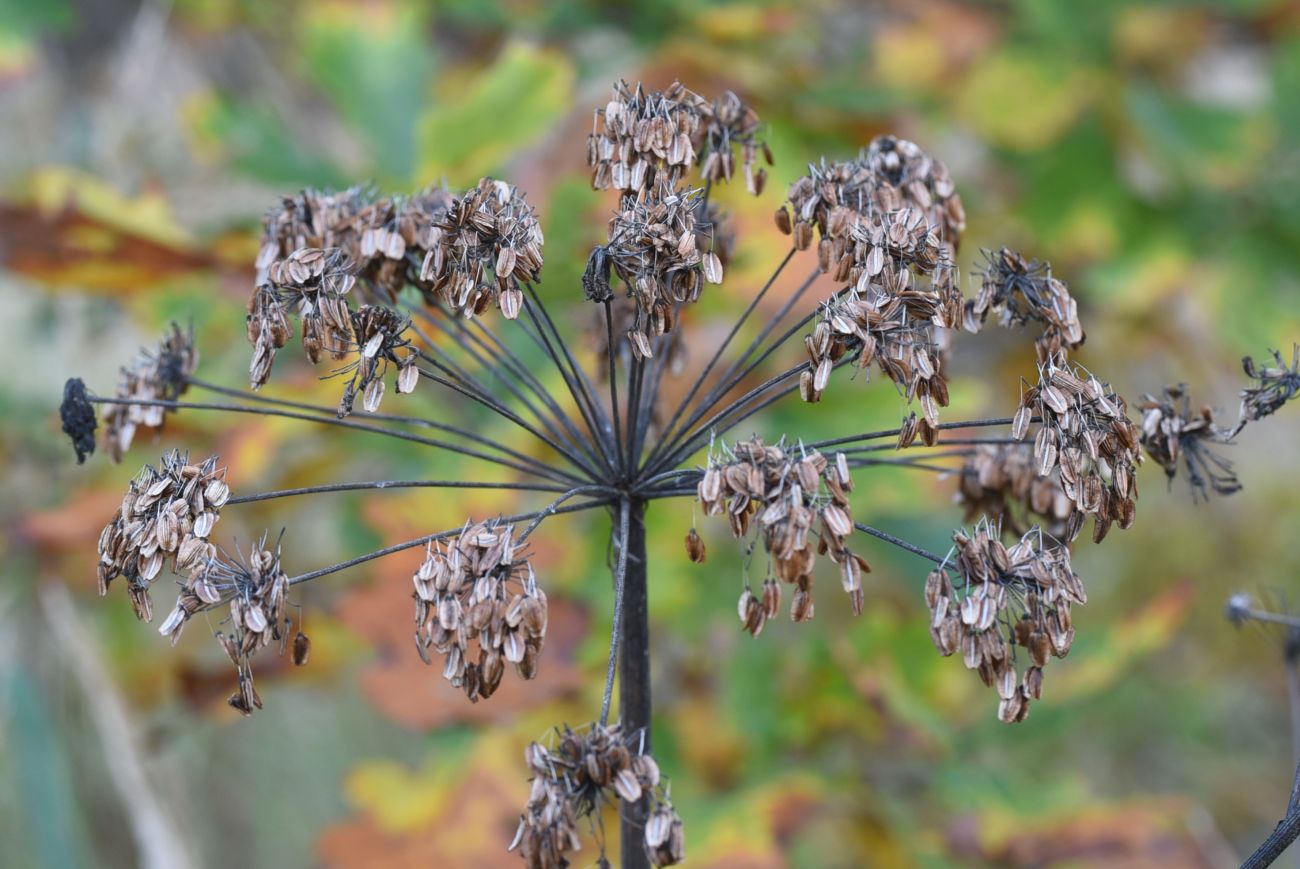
(634, 679)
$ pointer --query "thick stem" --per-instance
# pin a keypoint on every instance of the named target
(634, 679)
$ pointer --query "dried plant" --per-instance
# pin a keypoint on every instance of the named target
(399, 290)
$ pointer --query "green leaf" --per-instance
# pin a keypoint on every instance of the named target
(508, 106)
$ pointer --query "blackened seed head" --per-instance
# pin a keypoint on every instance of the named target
(78, 416)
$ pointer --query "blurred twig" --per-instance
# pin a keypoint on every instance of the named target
(159, 842)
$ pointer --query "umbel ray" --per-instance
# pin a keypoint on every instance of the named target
(441, 291)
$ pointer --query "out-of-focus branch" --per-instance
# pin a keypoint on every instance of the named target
(158, 839)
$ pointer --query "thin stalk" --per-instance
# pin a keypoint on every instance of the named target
(332, 413)
(893, 432)
(899, 542)
(579, 387)
(620, 572)
(551, 508)
(610, 353)
(726, 342)
(539, 469)
(391, 484)
(429, 538)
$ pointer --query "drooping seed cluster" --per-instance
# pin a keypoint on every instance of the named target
(728, 122)
(168, 512)
(1004, 597)
(586, 770)
(160, 374)
(1172, 432)
(895, 331)
(257, 592)
(643, 138)
(658, 249)
(1278, 384)
(1019, 291)
(888, 175)
(1086, 433)
(78, 417)
(799, 500)
(1002, 483)
(478, 604)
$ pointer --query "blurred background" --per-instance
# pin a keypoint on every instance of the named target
(1149, 150)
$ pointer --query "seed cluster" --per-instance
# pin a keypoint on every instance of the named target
(895, 331)
(647, 137)
(466, 252)
(155, 375)
(799, 500)
(1019, 291)
(663, 255)
(1001, 482)
(1278, 384)
(1172, 432)
(889, 223)
(257, 592)
(888, 175)
(575, 779)
(168, 511)
(1005, 597)
(1086, 433)
(475, 593)
(489, 242)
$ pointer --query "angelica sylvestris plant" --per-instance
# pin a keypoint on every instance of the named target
(441, 291)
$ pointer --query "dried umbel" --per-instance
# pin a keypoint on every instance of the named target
(168, 512)
(1002, 483)
(1020, 291)
(895, 331)
(313, 283)
(478, 604)
(1278, 384)
(256, 592)
(1173, 433)
(889, 175)
(1086, 433)
(656, 247)
(156, 375)
(78, 417)
(575, 778)
(799, 502)
(644, 137)
(1003, 597)
(480, 253)
(728, 122)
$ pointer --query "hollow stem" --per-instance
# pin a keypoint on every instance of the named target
(634, 676)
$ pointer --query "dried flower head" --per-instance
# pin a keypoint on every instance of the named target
(168, 512)
(1019, 291)
(1086, 433)
(1002, 483)
(478, 604)
(642, 137)
(1004, 597)
(889, 175)
(313, 283)
(1278, 384)
(799, 500)
(489, 242)
(161, 374)
(895, 331)
(728, 122)
(658, 249)
(576, 777)
(257, 592)
(78, 417)
(1171, 433)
